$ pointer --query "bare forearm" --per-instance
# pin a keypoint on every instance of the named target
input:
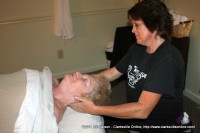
(138, 110)
(125, 111)
(111, 74)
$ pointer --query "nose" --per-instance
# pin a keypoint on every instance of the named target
(78, 74)
(133, 29)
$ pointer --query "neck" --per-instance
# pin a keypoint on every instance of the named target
(59, 108)
(64, 98)
(155, 43)
(61, 101)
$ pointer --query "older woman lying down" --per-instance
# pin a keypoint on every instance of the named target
(28, 104)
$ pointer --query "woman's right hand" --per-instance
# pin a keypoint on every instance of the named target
(83, 105)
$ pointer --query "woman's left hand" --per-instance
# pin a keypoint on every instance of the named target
(83, 105)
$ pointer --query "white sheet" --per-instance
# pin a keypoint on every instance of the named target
(36, 114)
(49, 120)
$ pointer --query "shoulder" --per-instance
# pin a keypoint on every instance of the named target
(168, 50)
(170, 53)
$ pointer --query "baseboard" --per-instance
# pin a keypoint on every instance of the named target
(191, 95)
(82, 70)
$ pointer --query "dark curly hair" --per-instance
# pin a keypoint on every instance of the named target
(155, 15)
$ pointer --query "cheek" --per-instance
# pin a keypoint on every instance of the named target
(143, 37)
(78, 89)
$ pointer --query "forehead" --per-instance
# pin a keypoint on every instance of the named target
(91, 81)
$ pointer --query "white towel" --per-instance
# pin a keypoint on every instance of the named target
(37, 110)
(178, 18)
(63, 21)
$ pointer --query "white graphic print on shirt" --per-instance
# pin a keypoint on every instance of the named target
(134, 76)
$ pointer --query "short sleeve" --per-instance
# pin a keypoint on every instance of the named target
(161, 77)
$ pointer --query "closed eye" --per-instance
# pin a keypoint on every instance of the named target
(87, 81)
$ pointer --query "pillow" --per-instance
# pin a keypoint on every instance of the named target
(75, 122)
(12, 92)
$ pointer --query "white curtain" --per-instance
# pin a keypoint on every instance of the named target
(63, 20)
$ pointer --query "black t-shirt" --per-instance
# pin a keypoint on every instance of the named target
(161, 72)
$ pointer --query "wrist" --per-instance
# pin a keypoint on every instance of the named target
(97, 110)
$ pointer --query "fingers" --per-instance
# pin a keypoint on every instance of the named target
(76, 99)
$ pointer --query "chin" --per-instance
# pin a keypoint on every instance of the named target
(138, 42)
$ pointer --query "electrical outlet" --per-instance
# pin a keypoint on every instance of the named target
(60, 54)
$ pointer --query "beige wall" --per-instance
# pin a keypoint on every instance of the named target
(27, 40)
(191, 9)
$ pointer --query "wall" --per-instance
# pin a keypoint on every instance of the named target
(27, 40)
(191, 9)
